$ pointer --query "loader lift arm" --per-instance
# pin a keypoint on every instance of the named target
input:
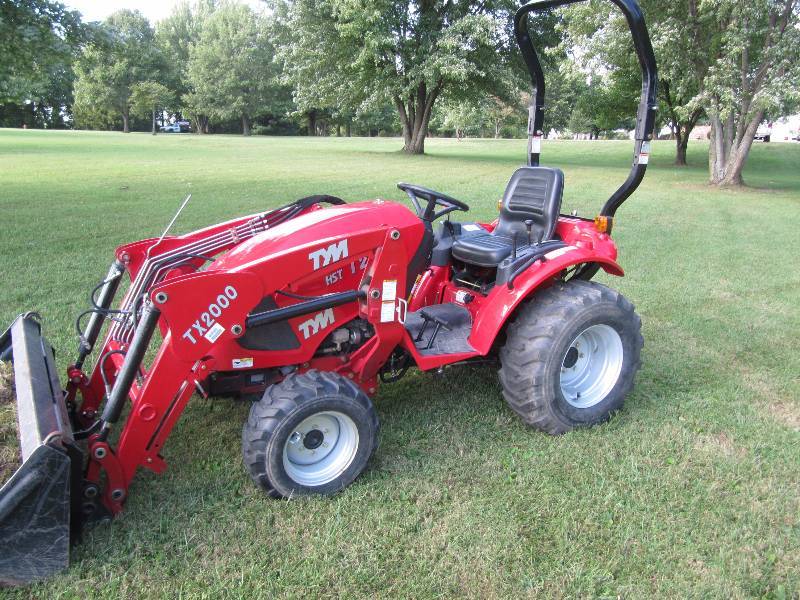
(59, 487)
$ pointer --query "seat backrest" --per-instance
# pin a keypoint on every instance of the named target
(532, 193)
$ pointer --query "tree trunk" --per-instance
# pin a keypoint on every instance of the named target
(416, 116)
(312, 122)
(201, 126)
(245, 125)
(681, 143)
(125, 121)
(155, 126)
(730, 147)
(497, 129)
(347, 129)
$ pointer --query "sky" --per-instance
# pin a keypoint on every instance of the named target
(154, 10)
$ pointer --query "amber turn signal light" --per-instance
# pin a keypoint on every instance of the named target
(603, 224)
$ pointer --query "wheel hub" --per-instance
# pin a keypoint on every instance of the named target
(313, 439)
(591, 367)
(571, 358)
(320, 448)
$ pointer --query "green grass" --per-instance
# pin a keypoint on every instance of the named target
(692, 491)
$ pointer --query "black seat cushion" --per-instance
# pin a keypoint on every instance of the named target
(533, 193)
(486, 249)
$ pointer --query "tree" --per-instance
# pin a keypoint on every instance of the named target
(463, 116)
(231, 68)
(500, 112)
(109, 68)
(565, 86)
(754, 73)
(175, 36)
(682, 44)
(149, 98)
(36, 36)
(684, 50)
(38, 42)
(360, 53)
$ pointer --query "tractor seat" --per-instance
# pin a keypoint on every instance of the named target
(533, 193)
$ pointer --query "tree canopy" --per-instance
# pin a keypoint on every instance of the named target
(231, 70)
(382, 67)
(148, 98)
(360, 53)
(754, 73)
(37, 39)
(112, 65)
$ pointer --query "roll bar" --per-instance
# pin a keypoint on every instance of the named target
(648, 105)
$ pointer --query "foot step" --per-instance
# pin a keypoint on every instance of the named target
(440, 329)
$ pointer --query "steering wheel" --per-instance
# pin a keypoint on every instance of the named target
(434, 198)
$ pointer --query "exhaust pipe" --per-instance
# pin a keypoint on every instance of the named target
(40, 508)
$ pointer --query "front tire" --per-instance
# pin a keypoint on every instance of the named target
(571, 356)
(311, 433)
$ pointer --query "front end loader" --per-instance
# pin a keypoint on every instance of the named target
(309, 308)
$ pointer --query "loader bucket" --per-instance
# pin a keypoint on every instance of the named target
(38, 516)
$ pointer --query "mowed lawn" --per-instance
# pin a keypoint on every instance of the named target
(692, 491)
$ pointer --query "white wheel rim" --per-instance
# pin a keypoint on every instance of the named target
(591, 367)
(320, 448)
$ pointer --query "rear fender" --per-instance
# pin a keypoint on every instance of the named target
(502, 301)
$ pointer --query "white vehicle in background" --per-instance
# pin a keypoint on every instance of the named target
(764, 132)
(177, 127)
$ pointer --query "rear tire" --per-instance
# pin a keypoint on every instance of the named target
(571, 356)
(311, 433)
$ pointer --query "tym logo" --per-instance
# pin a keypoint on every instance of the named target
(319, 321)
(325, 256)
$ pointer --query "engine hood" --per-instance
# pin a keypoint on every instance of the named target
(324, 225)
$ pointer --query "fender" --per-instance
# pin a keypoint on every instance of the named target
(501, 302)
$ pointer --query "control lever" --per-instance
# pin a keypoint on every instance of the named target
(529, 226)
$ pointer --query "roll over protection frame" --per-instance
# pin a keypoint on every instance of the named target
(648, 104)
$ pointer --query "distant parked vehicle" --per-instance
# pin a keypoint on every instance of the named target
(764, 132)
(177, 127)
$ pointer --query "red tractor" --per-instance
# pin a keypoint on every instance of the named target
(311, 306)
